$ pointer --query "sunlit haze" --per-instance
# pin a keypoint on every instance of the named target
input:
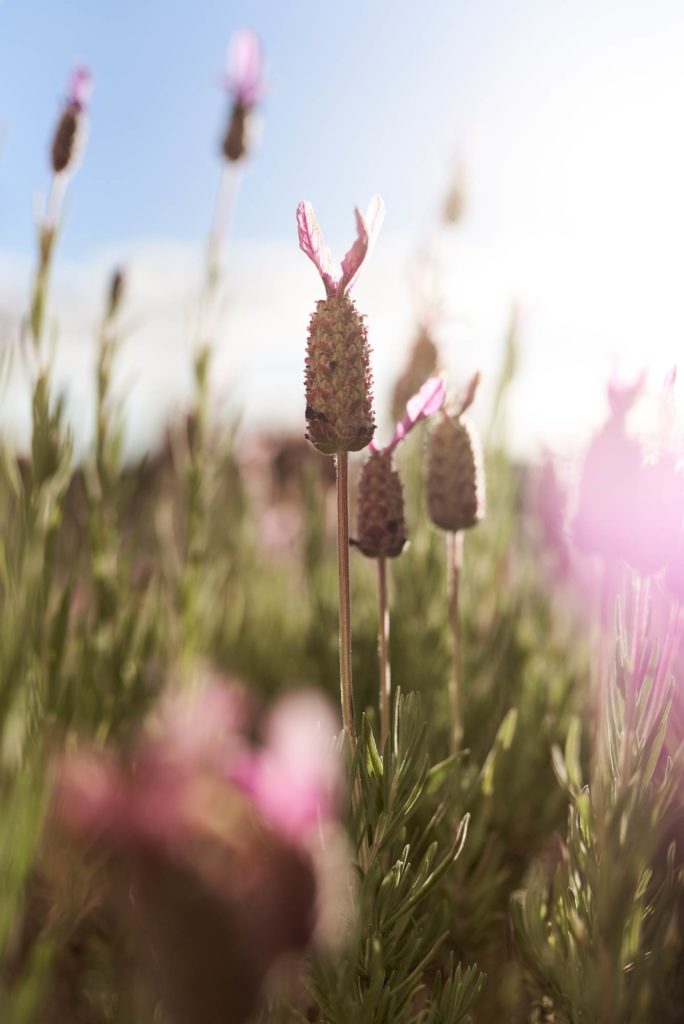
(564, 117)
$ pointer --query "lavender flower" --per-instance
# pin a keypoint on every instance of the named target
(244, 82)
(339, 400)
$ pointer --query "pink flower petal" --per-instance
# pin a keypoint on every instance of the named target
(294, 780)
(312, 243)
(367, 229)
(244, 78)
(426, 402)
(80, 86)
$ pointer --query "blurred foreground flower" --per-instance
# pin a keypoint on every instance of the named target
(609, 480)
(213, 844)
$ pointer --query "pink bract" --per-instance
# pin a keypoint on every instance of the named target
(244, 78)
(294, 780)
(426, 402)
(80, 86)
(339, 279)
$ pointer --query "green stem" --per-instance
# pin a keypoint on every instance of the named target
(346, 692)
(455, 562)
(383, 652)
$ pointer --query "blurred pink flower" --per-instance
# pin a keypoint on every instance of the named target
(608, 480)
(244, 78)
(655, 515)
(192, 759)
(426, 402)
(339, 279)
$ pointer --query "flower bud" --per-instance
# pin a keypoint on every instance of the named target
(455, 475)
(339, 397)
(380, 516)
(67, 140)
(117, 284)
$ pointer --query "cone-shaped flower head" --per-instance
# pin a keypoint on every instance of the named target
(380, 515)
(339, 398)
(69, 134)
(609, 480)
(244, 81)
(455, 475)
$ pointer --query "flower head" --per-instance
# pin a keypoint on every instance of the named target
(244, 77)
(67, 142)
(380, 518)
(339, 280)
(454, 473)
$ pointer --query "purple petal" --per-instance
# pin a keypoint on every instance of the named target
(80, 86)
(312, 243)
(426, 402)
(367, 229)
(244, 78)
(295, 779)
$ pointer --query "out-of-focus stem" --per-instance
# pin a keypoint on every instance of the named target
(455, 563)
(226, 196)
(346, 692)
(383, 652)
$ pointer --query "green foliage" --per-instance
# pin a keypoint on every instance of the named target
(399, 802)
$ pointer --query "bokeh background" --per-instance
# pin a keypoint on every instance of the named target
(563, 117)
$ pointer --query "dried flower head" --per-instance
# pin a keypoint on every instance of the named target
(339, 399)
(380, 516)
(455, 474)
(69, 135)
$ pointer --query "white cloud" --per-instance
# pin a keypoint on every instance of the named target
(570, 329)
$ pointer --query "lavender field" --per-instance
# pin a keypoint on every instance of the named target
(352, 692)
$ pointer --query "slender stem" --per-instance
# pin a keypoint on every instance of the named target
(383, 652)
(455, 563)
(346, 692)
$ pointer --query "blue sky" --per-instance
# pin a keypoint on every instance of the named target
(365, 95)
(568, 113)
(357, 93)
